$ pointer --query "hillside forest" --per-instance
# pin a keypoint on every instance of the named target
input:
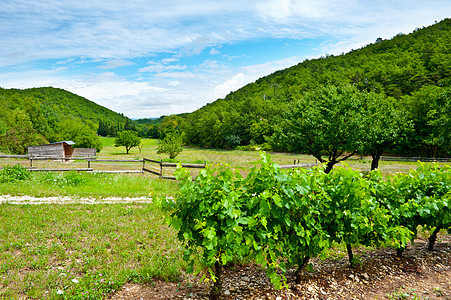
(41, 115)
(389, 97)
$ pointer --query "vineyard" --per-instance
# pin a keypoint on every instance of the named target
(282, 219)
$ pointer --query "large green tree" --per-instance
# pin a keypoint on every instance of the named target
(327, 123)
(385, 125)
(19, 133)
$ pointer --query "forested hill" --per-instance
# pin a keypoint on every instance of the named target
(401, 68)
(60, 102)
(47, 114)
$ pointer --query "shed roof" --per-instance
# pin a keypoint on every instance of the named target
(62, 142)
(67, 142)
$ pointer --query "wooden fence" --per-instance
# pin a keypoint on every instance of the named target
(416, 158)
(159, 169)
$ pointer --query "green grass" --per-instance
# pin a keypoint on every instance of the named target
(94, 185)
(83, 251)
(137, 185)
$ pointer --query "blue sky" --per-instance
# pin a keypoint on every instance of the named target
(150, 58)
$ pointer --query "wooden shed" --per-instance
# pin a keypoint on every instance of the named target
(55, 150)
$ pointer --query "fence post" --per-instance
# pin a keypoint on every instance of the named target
(161, 168)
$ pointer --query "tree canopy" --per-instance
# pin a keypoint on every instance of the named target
(128, 139)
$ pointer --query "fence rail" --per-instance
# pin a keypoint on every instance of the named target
(159, 170)
(161, 165)
(416, 158)
(297, 166)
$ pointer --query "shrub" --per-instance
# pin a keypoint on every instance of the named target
(171, 144)
(14, 173)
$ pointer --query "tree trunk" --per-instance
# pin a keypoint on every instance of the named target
(216, 289)
(329, 166)
(399, 252)
(350, 255)
(375, 162)
(433, 238)
(300, 268)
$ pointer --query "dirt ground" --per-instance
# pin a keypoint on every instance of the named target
(419, 274)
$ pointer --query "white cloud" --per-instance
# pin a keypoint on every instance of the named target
(158, 68)
(229, 85)
(116, 63)
(213, 51)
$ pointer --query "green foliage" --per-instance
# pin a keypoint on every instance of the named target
(171, 144)
(83, 135)
(35, 116)
(285, 220)
(280, 219)
(14, 173)
(170, 124)
(429, 109)
(422, 197)
(128, 139)
(208, 213)
(386, 126)
(326, 123)
(394, 69)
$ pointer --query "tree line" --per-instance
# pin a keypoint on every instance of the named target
(42, 115)
(399, 103)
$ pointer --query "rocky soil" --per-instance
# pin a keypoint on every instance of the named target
(419, 274)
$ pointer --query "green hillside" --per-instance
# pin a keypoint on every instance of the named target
(408, 69)
(39, 115)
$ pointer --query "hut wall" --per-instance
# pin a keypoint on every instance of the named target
(52, 150)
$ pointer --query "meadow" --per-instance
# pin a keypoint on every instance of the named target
(88, 251)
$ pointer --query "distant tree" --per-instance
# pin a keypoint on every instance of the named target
(429, 109)
(172, 144)
(112, 130)
(170, 124)
(18, 139)
(128, 139)
(83, 135)
(103, 129)
(129, 125)
(152, 132)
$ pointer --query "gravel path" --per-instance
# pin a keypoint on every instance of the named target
(70, 200)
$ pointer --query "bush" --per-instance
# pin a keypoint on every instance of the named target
(171, 144)
(14, 173)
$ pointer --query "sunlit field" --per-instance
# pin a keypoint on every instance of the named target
(89, 251)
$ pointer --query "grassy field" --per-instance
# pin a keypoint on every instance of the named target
(85, 251)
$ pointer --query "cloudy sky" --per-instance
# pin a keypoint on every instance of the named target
(147, 58)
